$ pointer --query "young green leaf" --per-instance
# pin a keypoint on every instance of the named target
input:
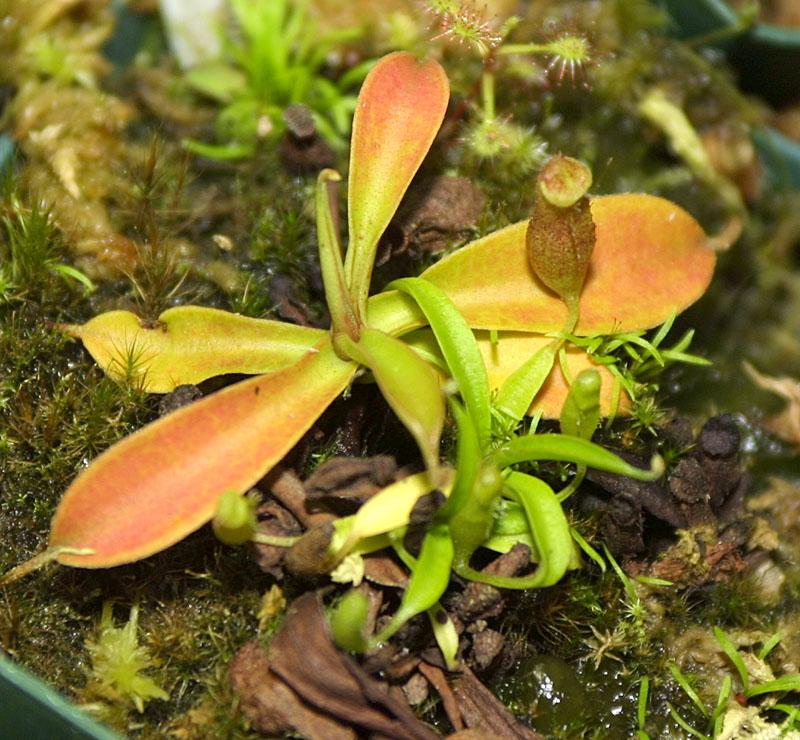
(458, 346)
(409, 385)
(188, 344)
(517, 359)
(548, 525)
(389, 509)
(580, 414)
(563, 448)
(400, 108)
(429, 579)
(519, 389)
(156, 486)
(550, 532)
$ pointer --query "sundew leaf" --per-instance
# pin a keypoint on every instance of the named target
(651, 259)
(400, 108)
(458, 346)
(188, 344)
(156, 486)
(409, 385)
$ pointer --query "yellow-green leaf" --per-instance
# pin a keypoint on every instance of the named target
(409, 385)
(189, 344)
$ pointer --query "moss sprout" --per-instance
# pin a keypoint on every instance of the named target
(119, 663)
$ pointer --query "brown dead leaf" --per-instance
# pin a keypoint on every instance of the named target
(482, 710)
(272, 706)
(785, 425)
(304, 656)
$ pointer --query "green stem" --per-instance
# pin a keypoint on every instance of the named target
(275, 541)
(487, 95)
(524, 49)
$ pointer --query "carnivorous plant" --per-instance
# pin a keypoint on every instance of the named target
(650, 260)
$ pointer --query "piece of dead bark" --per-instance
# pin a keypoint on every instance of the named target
(430, 215)
(347, 482)
(182, 396)
(416, 689)
(272, 707)
(302, 150)
(304, 656)
(276, 521)
(385, 571)
(481, 601)
(436, 676)
(487, 644)
(483, 711)
(288, 489)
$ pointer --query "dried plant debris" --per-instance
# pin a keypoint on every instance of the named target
(705, 488)
(68, 129)
(432, 217)
(350, 481)
(302, 150)
(785, 425)
(306, 685)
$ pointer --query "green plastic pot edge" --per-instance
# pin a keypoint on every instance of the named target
(780, 156)
(699, 17)
(30, 710)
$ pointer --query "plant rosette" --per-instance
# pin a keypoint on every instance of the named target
(650, 260)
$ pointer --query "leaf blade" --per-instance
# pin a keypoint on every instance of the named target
(189, 344)
(400, 108)
(409, 385)
(651, 259)
(156, 486)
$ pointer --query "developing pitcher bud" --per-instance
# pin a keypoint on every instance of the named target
(561, 233)
(234, 521)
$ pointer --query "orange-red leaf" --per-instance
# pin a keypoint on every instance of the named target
(400, 108)
(651, 259)
(189, 344)
(155, 487)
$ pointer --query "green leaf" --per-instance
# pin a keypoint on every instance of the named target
(459, 348)
(189, 344)
(387, 510)
(348, 621)
(580, 414)
(429, 579)
(563, 448)
(217, 80)
(733, 654)
(548, 525)
(521, 387)
(409, 385)
(781, 684)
